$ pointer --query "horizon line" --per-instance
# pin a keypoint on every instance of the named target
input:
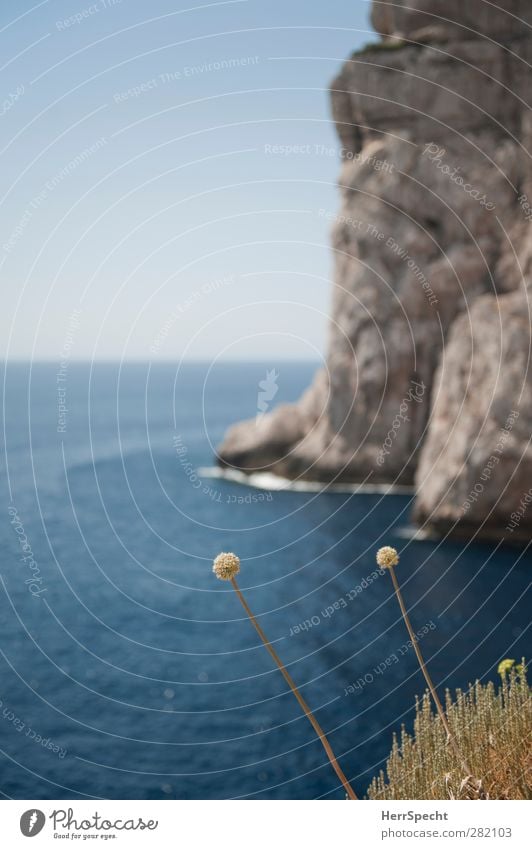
(139, 361)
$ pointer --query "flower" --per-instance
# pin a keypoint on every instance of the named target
(387, 557)
(226, 566)
(505, 666)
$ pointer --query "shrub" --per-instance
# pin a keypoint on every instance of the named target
(493, 728)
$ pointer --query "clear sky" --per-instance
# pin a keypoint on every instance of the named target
(162, 174)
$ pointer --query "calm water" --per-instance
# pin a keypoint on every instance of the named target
(128, 671)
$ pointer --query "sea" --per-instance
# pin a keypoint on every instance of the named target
(128, 671)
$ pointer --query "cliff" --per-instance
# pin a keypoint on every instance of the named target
(428, 360)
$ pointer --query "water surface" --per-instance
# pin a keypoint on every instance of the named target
(128, 671)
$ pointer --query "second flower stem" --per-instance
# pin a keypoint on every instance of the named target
(439, 707)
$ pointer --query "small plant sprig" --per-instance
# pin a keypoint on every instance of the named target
(226, 567)
(388, 558)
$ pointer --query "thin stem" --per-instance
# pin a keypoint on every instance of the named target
(291, 683)
(425, 671)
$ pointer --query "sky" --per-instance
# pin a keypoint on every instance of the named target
(163, 174)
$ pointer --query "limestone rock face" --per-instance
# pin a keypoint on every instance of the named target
(474, 473)
(433, 253)
(452, 18)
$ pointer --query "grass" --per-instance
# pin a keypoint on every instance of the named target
(493, 729)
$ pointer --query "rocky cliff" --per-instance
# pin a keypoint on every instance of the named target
(428, 369)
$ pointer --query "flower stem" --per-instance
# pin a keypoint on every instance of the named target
(291, 683)
(439, 707)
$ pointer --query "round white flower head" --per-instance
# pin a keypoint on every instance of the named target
(226, 566)
(387, 557)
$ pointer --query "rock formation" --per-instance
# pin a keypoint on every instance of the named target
(428, 366)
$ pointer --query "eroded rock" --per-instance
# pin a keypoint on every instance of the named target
(431, 248)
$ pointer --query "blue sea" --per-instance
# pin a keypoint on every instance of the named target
(129, 671)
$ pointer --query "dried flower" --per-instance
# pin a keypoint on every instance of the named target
(387, 557)
(226, 566)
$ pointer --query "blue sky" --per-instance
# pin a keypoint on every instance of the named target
(163, 172)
